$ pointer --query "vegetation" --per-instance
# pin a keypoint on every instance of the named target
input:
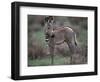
(58, 60)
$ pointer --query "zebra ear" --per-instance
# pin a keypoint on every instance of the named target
(51, 17)
(46, 18)
(44, 21)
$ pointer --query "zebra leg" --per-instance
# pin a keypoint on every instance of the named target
(73, 50)
(51, 49)
(52, 55)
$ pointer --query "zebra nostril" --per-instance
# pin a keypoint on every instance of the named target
(53, 36)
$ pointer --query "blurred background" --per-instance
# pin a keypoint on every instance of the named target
(38, 53)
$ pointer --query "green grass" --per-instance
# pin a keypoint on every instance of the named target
(39, 62)
(83, 37)
(40, 37)
(58, 60)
